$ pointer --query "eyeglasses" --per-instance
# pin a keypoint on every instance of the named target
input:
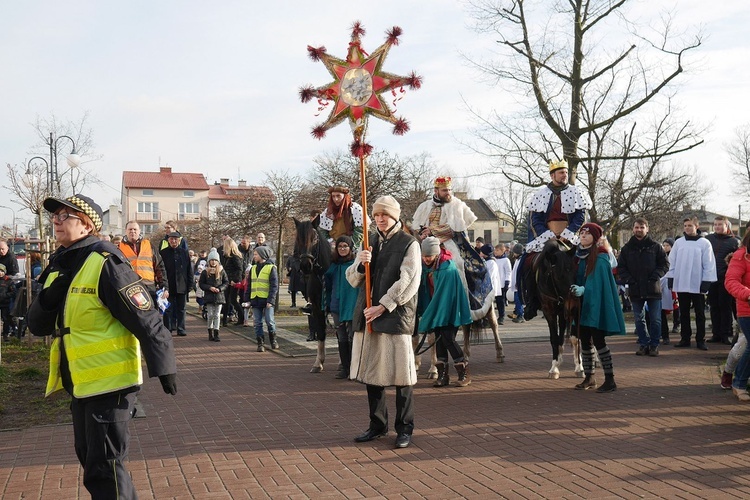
(63, 216)
(343, 246)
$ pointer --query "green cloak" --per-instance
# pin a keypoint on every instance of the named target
(449, 305)
(601, 308)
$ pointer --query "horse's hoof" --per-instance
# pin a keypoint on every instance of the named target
(431, 376)
(501, 359)
(316, 369)
(579, 374)
(554, 376)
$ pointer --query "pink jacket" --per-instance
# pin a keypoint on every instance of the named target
(737, 281)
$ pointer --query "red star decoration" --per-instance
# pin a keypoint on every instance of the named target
(357, 88)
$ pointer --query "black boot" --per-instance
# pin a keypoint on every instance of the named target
(605, 356)
(210, 335)
(608, 385)
(344, 355)
(216, 336)
(444, 377)
(261, 344)
(272, 340)
(462, 369)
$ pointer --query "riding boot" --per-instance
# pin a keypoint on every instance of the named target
(462, 369)
(443, 377)
(272, 340)
(216, 335)
(210, 335)
(605, 356)
(587, 359)
(261, 342)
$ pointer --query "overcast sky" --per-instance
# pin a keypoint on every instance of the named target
(212, 87)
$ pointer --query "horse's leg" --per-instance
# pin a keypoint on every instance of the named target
(466, 329)
(433, 372)
(557, 344)
(499, 355)
(320, 327)
(417, 357)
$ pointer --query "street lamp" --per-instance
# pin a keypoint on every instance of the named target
(53, 178)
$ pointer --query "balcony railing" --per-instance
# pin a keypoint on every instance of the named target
(148, 216)
(188, 216)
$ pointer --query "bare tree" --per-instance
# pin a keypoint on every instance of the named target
(511, 199)
(608, 110)
(408, 179)
(738, 151)
(29, 181)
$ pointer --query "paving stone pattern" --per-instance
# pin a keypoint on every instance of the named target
(259, 425)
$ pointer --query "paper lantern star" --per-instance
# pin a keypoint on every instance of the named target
(357, 88)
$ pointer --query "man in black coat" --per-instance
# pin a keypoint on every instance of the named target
(8, 258)
(721, 304)
(180, 279)
(641, 265)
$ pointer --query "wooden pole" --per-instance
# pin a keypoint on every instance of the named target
(365, 229)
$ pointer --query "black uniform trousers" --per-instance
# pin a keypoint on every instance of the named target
(689, 301)
(100, 429)
(404, 423)
(721, 307)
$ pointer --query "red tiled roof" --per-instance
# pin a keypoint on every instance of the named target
(164, 179)
(226, 192)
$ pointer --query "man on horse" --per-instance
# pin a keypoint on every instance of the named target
(342, 216)
(556, 211)
(448, 218)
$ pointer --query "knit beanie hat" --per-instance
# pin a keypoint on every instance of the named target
(594, 230)
(487, 249)
(3, 268)
(345, 239)
(430, 246)
(387, 205)
(263, 252)
(669, 241)
(518, 249)
(213, 255)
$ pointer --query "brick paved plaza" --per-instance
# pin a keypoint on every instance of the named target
(259, 425)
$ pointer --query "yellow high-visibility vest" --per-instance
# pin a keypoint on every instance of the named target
(259, 283)
(103, 355)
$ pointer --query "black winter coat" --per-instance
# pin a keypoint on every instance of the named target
(179, 269)
(641, 265)
(723, 245)
(233, 267)
(206, 282)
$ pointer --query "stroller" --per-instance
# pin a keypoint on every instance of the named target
(18, 307)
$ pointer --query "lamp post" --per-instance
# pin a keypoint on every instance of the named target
(53, 178)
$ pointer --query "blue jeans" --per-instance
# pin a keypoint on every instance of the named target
(517, 306)
(742, 372)
(652, 336)
(259, 314)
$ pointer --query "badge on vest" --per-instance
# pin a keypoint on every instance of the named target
(138, 297)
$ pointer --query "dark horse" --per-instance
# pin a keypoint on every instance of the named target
(314, 254)
(554, 272)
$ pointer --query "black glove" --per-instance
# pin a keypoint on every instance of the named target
(169, 383)
(705, 285)
(51, 297)
(670, 283)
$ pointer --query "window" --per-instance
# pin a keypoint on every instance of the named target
(188, 194)
(488, 236)
(149, 228)
(148, 209)
(189, 211)
(471, 235)
(148, 192)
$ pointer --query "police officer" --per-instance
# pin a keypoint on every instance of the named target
(101, 317)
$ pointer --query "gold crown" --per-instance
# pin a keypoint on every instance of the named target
(443, 182)
(557, 165)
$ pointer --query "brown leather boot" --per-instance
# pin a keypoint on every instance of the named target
(462, 369)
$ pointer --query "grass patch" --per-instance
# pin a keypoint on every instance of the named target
(23, 378)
